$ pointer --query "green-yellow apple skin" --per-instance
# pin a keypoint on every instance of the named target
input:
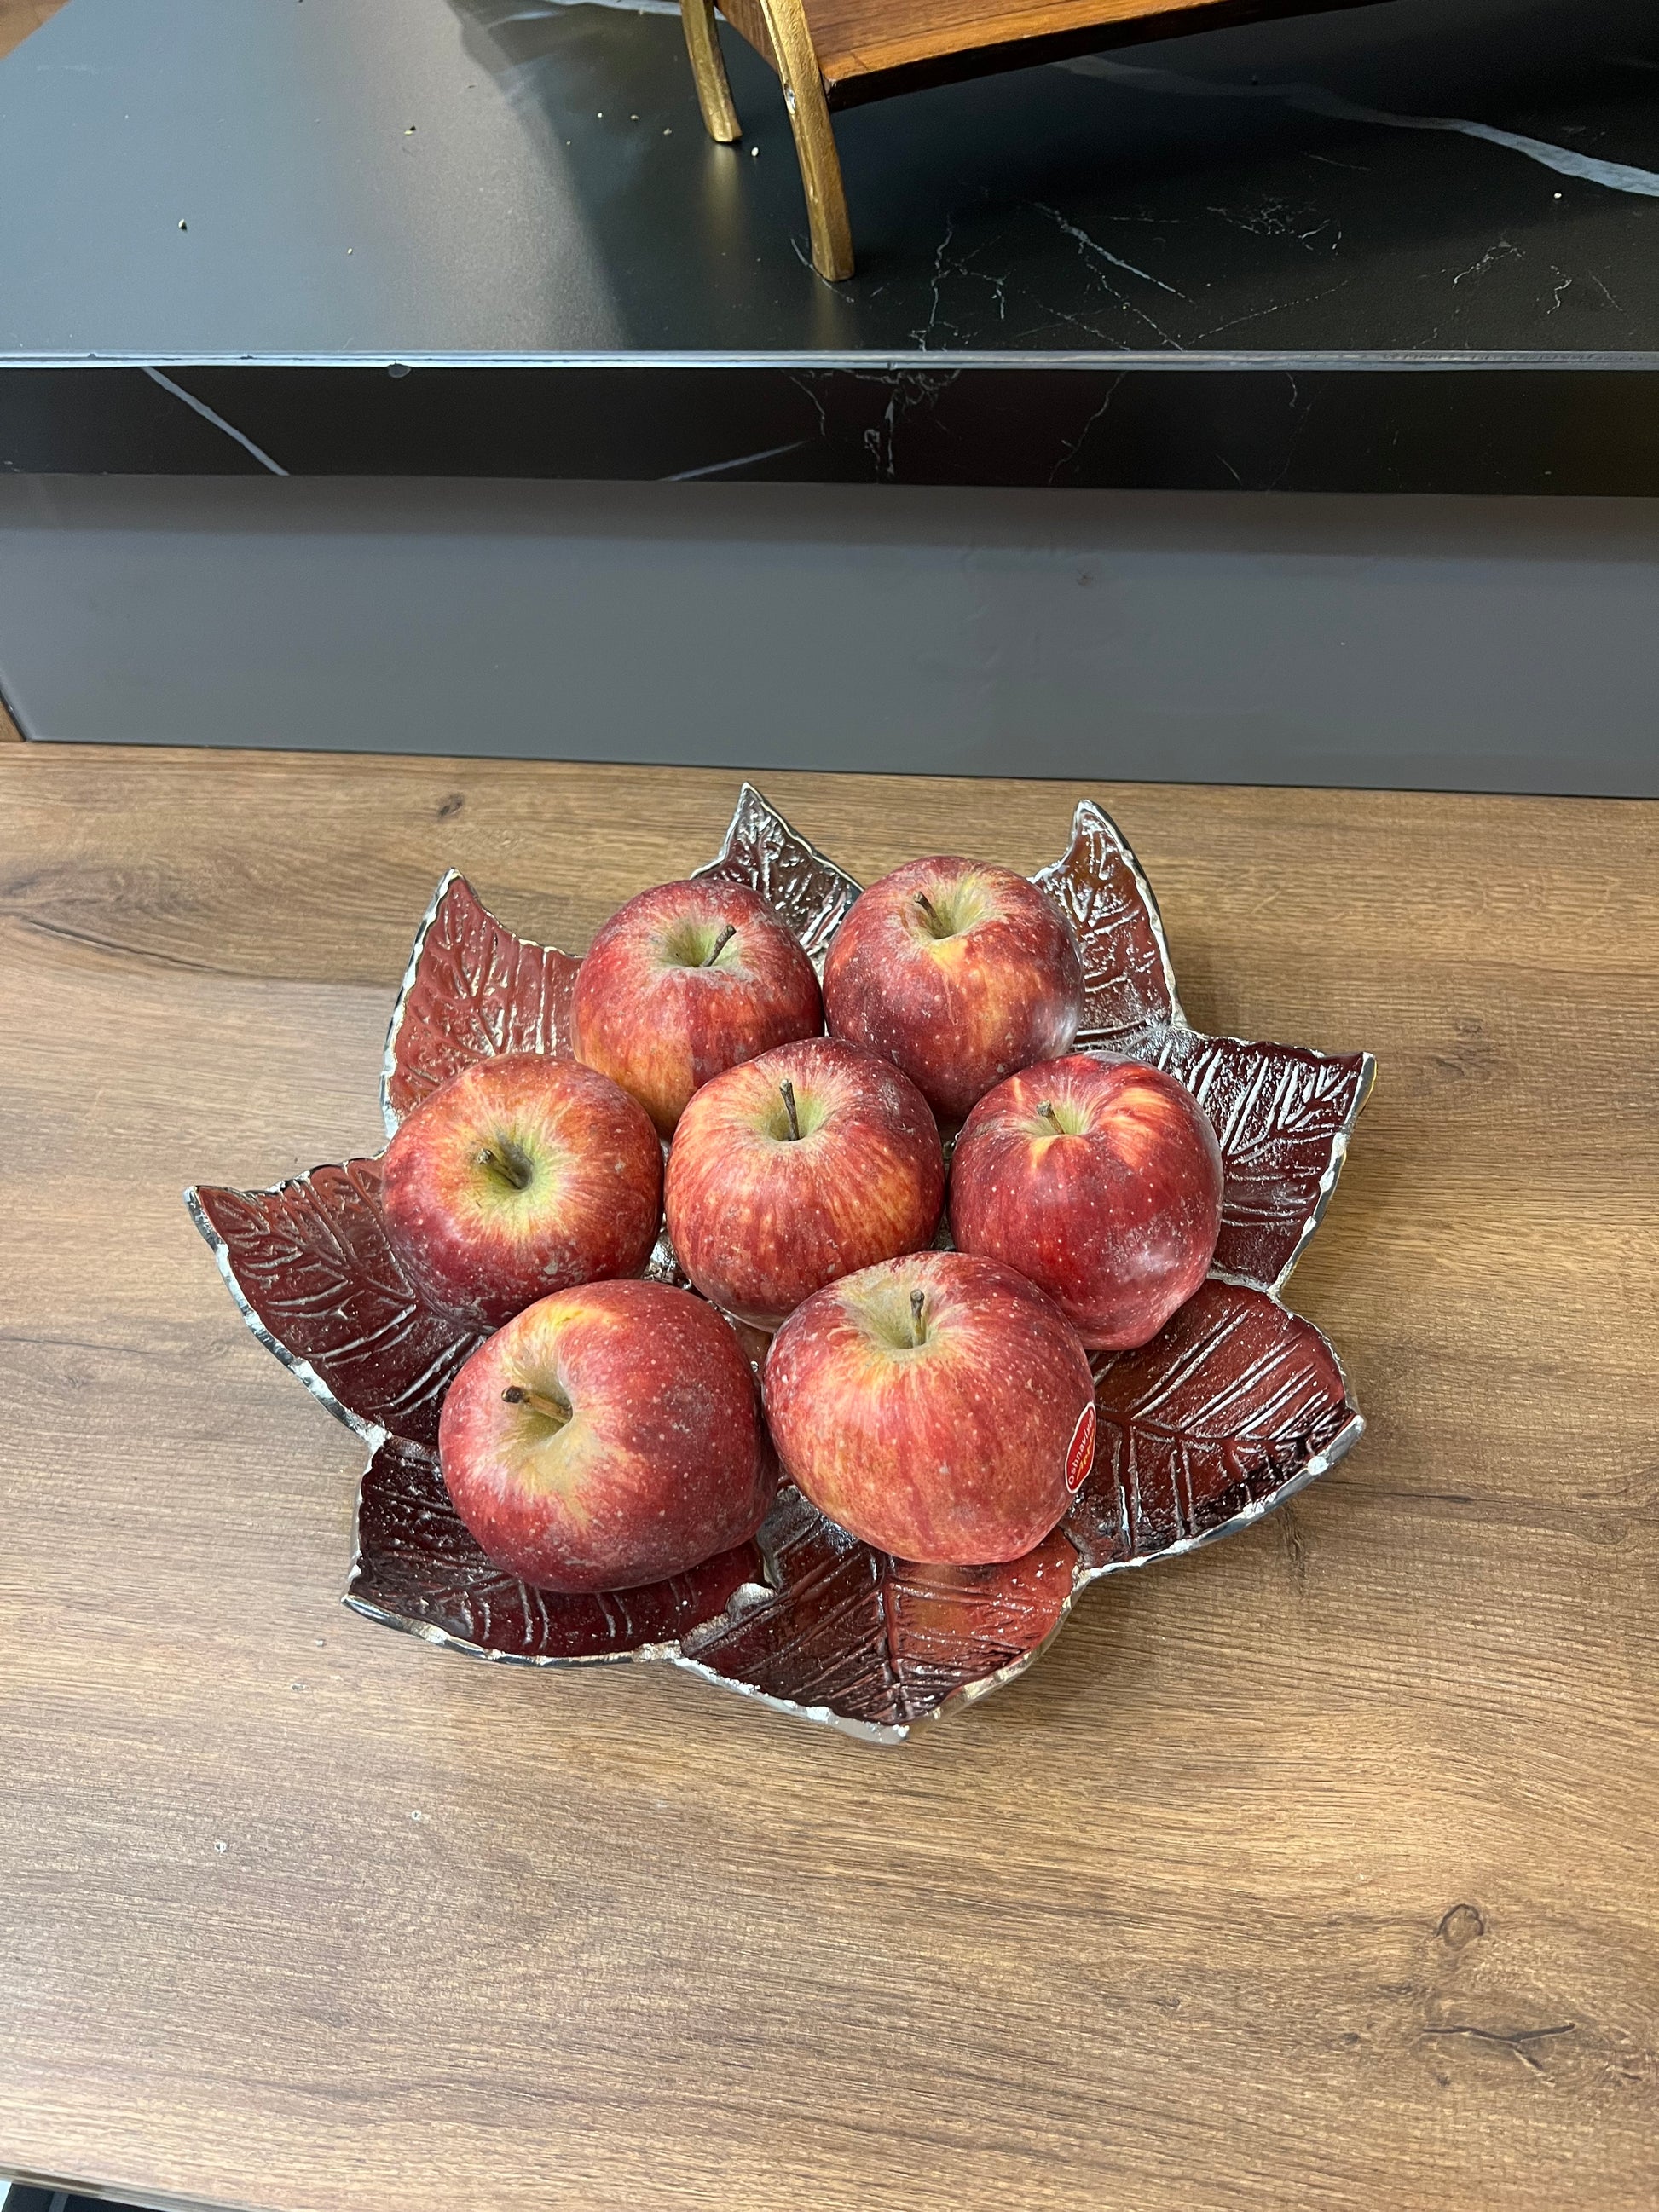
(520, 1175)
(609, 1435)
(683, 981)
(938, 1405)
(1102, 1181)
(958, 972)
(764, 1209)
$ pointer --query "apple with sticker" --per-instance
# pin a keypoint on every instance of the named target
(939, 1406)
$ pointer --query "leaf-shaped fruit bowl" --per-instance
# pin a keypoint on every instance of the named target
(1234, 1405)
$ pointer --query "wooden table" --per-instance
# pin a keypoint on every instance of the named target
(1316, 1870)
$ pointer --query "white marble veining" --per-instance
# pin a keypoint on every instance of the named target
(201, 408)
(1315, 100)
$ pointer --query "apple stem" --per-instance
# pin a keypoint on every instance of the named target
(720, 943)
(551, 1409)
(788, 1091)
(1047, 1113)
(510, 1163)
(930, 911)
(918, 1311)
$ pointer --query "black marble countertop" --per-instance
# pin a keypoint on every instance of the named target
(1413, 245)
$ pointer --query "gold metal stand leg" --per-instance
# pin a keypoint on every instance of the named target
(703, 43)
(815, 141)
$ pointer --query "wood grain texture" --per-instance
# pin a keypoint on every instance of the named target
(17, 18)
(867, 49)
(1315, 1869)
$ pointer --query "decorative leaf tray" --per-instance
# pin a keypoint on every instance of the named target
(1235, 1406)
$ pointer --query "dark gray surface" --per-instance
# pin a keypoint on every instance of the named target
(1248, 200)
(490, 237)
(1507, 645)
(557, 193)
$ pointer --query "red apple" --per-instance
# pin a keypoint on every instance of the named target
(958, 972)
(1101, 1180)
(684, 981)
(516, 1178)
(607, 1437)
(937, 1406)
(812, 1161)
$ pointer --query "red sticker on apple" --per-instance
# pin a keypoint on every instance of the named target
(1080, 1452)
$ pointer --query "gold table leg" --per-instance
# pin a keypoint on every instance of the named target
(815, 141)
(809, 118)
(703, 43)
